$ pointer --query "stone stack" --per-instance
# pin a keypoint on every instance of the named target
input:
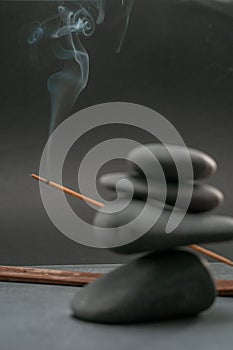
(168, 281)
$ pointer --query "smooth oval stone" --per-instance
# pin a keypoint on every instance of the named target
(155, 287)
(194, 228)
(202, 164)
(204, 197)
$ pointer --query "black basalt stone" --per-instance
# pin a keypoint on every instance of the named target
(204, 197)
(203, 165)
(155, 287)
(194, 228)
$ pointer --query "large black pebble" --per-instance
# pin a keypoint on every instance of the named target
(204, 197)
(202, 164)
(161, 286)
(193, 229)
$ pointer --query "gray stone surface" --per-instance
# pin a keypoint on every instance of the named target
(203, 165)
(158, 286)
(194, 228)
(204, 197)
(38, 317)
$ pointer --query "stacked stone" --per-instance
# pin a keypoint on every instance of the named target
(169, 281)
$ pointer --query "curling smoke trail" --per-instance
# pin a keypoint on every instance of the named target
(128, 5)
(66, 29)
(65, 86)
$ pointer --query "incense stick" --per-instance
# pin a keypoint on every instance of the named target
(224, 288)
(68, 191)
(74, 278)
(46, 276)
(213, 255)
(195, 247)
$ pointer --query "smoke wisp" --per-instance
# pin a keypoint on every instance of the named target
(66, 28)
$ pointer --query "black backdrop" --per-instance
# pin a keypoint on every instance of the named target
(177, 58)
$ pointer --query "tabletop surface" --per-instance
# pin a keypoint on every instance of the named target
(39, 317)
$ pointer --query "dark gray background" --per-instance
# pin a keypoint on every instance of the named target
(177, 58)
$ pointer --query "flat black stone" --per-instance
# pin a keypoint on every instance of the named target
(155, 287)
(204, 197)
(203, 165)
(194, 228)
